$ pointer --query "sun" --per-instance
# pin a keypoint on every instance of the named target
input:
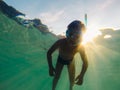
(91, 32)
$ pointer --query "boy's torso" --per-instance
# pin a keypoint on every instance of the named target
(67, 51)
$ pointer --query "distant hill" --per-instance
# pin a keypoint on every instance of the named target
(9, 10)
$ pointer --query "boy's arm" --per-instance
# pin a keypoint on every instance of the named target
(85, 61)
(49, 56)
(84, 66)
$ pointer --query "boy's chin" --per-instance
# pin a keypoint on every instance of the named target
(74, 41)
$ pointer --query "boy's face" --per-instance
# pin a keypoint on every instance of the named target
(75, 36)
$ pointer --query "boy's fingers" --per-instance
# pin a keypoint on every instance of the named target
(77, 78)
(78, 83)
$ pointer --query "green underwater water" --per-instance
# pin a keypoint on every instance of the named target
(23, 64)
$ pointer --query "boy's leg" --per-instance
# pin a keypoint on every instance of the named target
(58, 71)
(71, 72)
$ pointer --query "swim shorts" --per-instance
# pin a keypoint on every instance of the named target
(63, 61)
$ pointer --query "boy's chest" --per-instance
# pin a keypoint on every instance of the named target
(69, 49)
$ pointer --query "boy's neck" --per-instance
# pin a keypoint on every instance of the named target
(73, 44)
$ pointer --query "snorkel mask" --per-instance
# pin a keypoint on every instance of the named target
(74, 36)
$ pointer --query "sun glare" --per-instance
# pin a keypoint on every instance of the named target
(90, 34)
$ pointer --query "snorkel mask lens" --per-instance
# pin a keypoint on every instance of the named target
(76, 34)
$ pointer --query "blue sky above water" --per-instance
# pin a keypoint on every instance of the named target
(57, 14)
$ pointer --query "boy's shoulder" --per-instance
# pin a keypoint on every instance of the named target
(61, 40)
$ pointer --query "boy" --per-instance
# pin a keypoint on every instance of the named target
(67, 48)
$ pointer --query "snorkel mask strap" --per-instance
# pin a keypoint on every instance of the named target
(67, 33)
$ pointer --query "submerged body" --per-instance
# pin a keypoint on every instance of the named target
(67, 49)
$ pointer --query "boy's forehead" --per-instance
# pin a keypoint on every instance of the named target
(75, 30)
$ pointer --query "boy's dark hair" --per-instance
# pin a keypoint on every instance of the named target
(76, 25)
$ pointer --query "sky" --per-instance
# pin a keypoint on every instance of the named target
(57, 14)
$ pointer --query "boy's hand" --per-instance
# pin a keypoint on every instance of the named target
(79, 80)
(52, 71)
